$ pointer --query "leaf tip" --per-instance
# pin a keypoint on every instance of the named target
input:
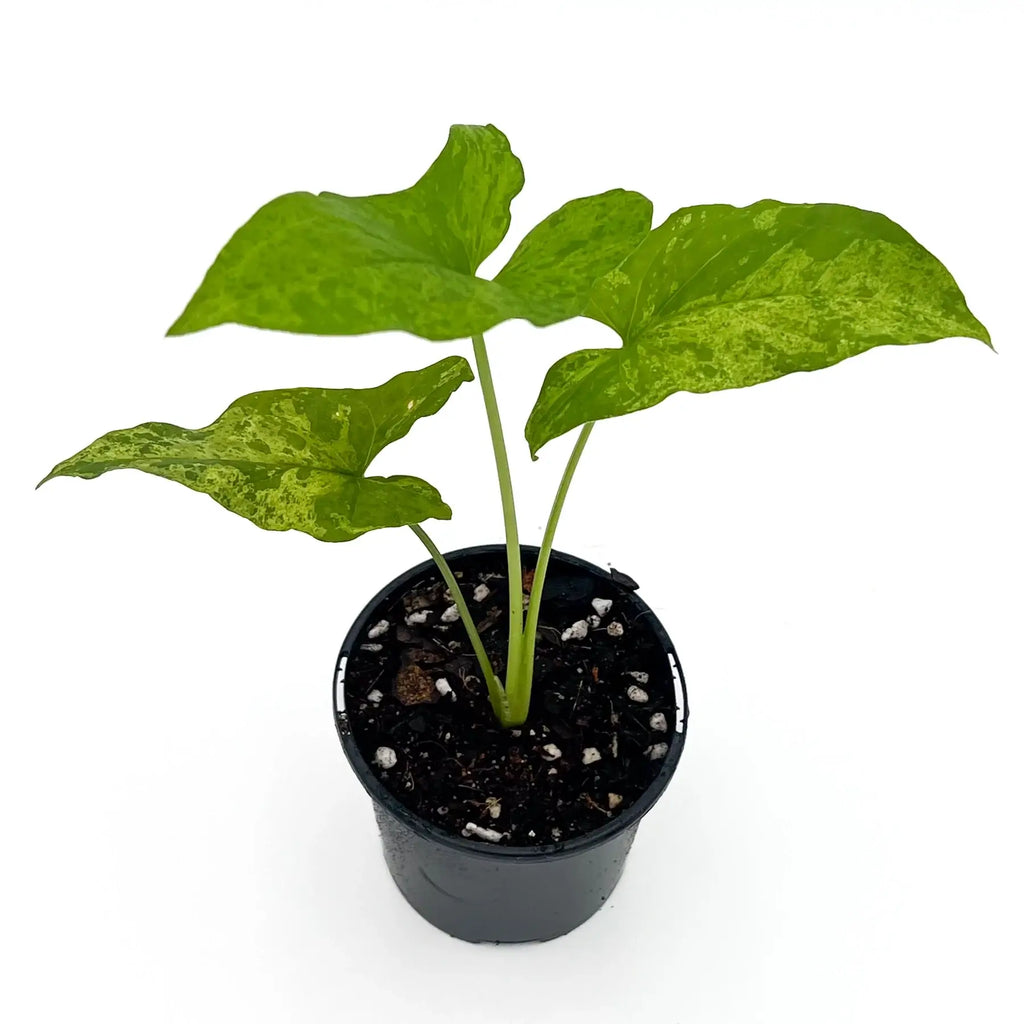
(534, 447)
(177, 328)
(976, 330)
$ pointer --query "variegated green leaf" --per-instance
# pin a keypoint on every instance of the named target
(294, 459)
(724, 297)
(331, 264)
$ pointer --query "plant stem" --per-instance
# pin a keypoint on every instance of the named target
(519, 701)
(494, 688)
(513, 668)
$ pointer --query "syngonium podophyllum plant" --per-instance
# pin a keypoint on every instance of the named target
(715, 297)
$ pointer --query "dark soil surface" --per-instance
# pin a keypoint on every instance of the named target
(589, 748)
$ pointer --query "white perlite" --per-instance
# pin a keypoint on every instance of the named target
(385, 757)
(379, 630)
(634, 693)
(450, 614)
(482, 592)
(490, 834)
(615, 744)
(641, 677)
(591, 754)
(614, 800)
(415, 618)
(375, 696)
(658, 722)
(615, 629)
(550, 752)
(601, 605)
(493, 806)
(593, 621)
(444, 688)
(657, 751)
(372, 648)
(577, 631)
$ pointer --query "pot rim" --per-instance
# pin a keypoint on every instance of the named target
(578, 844)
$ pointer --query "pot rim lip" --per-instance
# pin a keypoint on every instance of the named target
(425, 829)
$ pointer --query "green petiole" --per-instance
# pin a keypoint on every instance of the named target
(514, 667)
(494, 688)
(511, 701)
(519, 700)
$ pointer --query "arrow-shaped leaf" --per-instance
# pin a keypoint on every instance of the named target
(294, 459)
(724, 297)
(331, 264)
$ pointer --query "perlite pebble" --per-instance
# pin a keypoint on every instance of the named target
(591, 754)
(490, 834)
(450, 614)
(658, 722)
(601, 605)
(640, 677)
(385, 757)
(615, 629)
(379, 630)
(550, 752)
(444, 688)
(657, 751)
(593, 621)
(372, 648)
(482, 592)
(614, 799)
(415, 618)
(577, 631)
(634, 693)
(375, 696)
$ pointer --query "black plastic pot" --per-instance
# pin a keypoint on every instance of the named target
(484, 893)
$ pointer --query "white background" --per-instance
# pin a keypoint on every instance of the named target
(837, 556)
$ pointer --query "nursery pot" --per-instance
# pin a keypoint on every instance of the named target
(484, 892)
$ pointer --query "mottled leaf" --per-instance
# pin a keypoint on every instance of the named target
(294, 459)
(330, 264)
(335, 265)
(724, 297)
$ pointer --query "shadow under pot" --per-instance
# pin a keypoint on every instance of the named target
(509, 835)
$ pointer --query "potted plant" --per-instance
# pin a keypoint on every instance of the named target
(513, 711)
